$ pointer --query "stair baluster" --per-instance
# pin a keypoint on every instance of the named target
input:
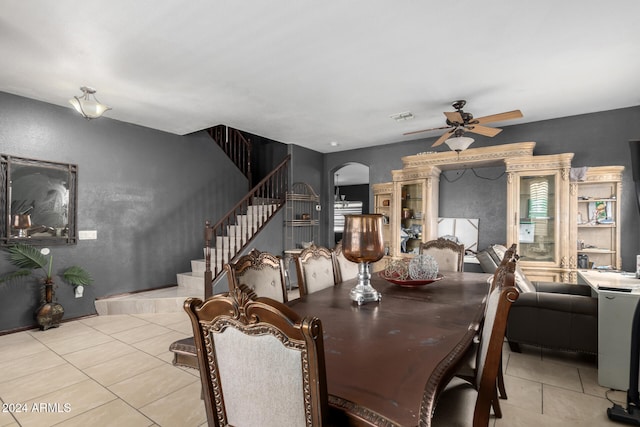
(231, 234)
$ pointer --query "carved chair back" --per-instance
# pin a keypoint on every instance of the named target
(316, 269)
(489, 355)
(507, 265)
(448, 254)
(345, 269)
(261, 272)
(261, 364)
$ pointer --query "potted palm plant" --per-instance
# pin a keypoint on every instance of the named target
(30, 260)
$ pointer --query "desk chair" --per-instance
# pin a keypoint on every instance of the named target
(345, 269)
(316, 269)
(448, 254)
(260, 363)
(456, 400)
(261, 272)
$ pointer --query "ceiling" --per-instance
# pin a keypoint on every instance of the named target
(317, 73)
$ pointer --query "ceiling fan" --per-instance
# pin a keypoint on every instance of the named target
(460, 122)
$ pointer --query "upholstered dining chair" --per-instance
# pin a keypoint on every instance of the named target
(262, 272)
(457, 399)
(316, 269)
(261, 364)
(448, 254)
(507, 266)
(500, 279)
(345, 269)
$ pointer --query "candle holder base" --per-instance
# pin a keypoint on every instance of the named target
(363, 292)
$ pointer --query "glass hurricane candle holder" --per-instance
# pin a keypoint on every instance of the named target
(22, 223)
(362, 242)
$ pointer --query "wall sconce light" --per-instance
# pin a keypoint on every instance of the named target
(88, 105)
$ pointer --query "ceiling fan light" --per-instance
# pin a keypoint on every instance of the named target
(87, 107)
(459, 143)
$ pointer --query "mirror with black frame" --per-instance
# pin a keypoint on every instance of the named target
(38, 201)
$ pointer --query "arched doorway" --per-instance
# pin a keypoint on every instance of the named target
(351, 194)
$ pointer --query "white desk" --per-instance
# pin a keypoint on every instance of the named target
(615, 316)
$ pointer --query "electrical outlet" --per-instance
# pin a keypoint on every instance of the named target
(87, 234)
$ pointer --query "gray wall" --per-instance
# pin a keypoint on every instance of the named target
(146, 192)
(306, 166)
(597, 139)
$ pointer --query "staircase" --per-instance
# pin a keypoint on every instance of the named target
(228, 246)
(224, 241)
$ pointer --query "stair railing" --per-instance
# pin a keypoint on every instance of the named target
(236, 229)
(235, 145)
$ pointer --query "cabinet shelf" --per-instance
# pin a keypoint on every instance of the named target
(596, 251)
(597, 199)
(301, 202)
(301, 223)
(601, 184)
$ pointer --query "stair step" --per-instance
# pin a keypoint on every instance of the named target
(232, 243)
(198, 266)
(237, 230)
(190, 281)
(247, 221)
(261, 209)
(166, 300)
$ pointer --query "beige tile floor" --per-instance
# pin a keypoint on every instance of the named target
(116, 370)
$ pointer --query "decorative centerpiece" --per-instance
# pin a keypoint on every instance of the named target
(418, 271)
(362, 242)
(423, 267)
(29, 259)
(397, 268)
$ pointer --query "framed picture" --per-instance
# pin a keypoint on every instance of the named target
(527, 232)
(600, 212)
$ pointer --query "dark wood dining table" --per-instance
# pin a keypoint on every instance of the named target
(387, 361)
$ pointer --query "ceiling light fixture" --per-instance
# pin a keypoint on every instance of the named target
(89, 108)
(459, 142)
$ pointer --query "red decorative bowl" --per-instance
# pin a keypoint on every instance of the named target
(409, 283)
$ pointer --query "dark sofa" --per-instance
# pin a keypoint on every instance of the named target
(559, 316)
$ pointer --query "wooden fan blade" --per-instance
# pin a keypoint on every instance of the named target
(483, 130)
(454, 117)
(426, 130)
(443, 138)
(509, 115)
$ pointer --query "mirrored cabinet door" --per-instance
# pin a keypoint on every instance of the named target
(538, 212)
(537, 221)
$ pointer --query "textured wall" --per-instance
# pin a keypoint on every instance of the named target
(146, 192)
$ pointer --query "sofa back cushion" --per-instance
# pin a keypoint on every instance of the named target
(496, 252)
